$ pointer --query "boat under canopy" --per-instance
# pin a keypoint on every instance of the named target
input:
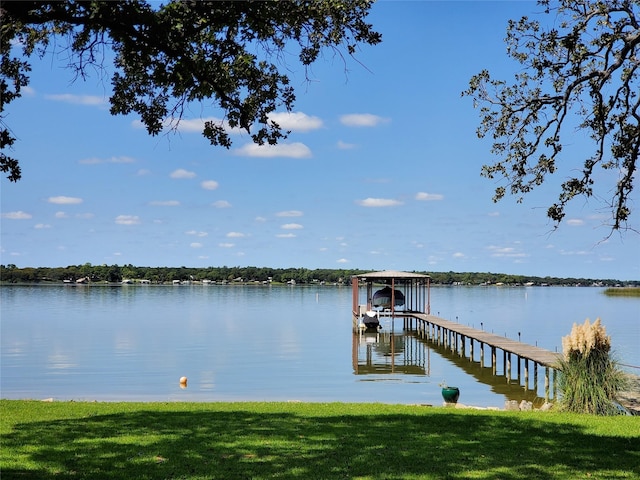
(384, 297)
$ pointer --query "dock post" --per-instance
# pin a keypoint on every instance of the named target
(481, 354)
(519, 370)
(464, 346)
(471, 348)
(546, 384)
(508, 364)
(493, 359)
(535, 376)
(504, 363)
(526, 373)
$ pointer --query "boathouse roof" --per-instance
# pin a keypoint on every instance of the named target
(391, 274)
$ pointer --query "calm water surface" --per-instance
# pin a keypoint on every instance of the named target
(274, 343)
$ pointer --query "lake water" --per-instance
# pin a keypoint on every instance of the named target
(282, 343)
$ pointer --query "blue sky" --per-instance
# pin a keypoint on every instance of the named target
(381, 171)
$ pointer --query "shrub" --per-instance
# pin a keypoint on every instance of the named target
(590, 378)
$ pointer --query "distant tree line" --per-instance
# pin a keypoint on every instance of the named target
(303, 276)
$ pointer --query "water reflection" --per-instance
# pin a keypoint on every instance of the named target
(388, 353)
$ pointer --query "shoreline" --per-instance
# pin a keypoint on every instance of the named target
(630, 397)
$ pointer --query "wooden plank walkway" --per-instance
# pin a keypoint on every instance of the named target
(538, 355)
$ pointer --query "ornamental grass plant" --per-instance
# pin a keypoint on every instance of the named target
(590, 378)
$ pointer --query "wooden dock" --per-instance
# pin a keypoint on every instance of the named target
(415, 291)
(461, 339)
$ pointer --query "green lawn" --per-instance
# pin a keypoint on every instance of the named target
(75, 440)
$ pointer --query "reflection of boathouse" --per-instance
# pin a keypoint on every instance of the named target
(389, 353)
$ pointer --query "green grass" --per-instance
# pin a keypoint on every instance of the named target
(623, 292)
(71, 440)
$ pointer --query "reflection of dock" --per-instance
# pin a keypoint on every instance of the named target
(499, 385)
(459, 339)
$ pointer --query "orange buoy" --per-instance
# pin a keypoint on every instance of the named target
(183, 382)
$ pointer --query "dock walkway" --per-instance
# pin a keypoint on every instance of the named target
(538, 355)
(456, 337)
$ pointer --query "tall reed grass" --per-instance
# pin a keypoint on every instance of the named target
(590, 378)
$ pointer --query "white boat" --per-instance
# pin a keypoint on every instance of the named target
(383, 298)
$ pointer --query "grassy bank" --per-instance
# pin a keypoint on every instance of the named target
(65, 440)
(623, 292)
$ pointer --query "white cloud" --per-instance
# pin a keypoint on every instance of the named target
(196, 233)
(121, 160)
(505, 252)
(60, 215)
(378, 202)
(362, 120)
(90, 100)
(226, 245)
(221, 204)
(289, 213)
(209, 184)
(342, 260)
(296, 121)
(195, 125)
(127, 220)
(182, 173)
(424, 196)
(19, 215)
(289, 150)
(575, 222)
(291, 226)
(85, 216)
(235, 235)
(96, 161)
(195, 245)
(285, 235)
(260, 219)
(494, 214)
(190, 125)
(41, 226)
(346, 146)
(91, 161)
(164, 203)
(62, 200)
(459, 255)
(143, 172)
(575, 252)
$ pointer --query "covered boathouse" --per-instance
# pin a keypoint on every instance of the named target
(414, 291)
(409, 293)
